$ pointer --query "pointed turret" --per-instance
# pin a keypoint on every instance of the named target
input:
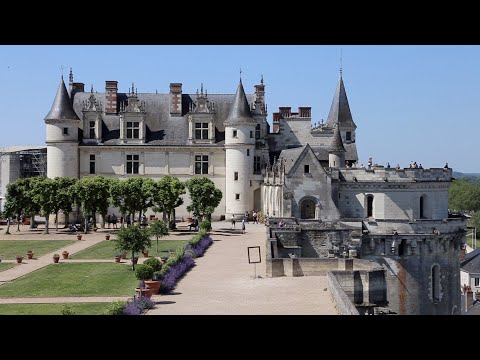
(340, 110)
(337, 143)
(240, 112)
(62, 107)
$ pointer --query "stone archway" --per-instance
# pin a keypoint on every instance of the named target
(307, 209)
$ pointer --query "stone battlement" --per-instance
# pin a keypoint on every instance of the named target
(380, 173)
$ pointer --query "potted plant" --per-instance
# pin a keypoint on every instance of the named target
(65, 254)
(19, 259)
(142, 273)
(56, 257)
(118, 256)
(79, 237)
(107, 236)
(29, 254)
(135, 259)
(154, 283)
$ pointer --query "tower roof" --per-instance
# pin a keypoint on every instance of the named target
(340, 110)
(337, 143)
(62, 107)
(240, 111)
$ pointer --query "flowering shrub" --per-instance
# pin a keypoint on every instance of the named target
(201, 246)
(131, 309)
(144, 303)
(115, 308)
(174, 273)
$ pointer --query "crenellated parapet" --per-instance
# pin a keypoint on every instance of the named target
(381, 173)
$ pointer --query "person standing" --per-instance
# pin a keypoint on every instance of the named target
(246, 216)
(254, 216)
(243, 226)
(233, 221)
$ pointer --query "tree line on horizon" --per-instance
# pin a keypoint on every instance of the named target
(45, 196)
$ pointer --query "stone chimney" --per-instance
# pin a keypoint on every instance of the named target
(260, 93)
(285, 111)
(305, 112)
(176, 99)
(75, 88)
(111, 89)
(276, 123)
(468, 293)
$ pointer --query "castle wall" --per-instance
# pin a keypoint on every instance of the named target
(62, 160)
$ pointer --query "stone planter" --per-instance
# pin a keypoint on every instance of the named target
(144, 292)
(118, 258)
(79, 237)
(19, 259)
(29, 255)
(56, 258)
(107, 237)
(134, 260)
(154, 285)
(65, 254)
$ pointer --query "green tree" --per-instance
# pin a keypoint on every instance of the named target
(120, 195)
(19, 200)
(133, 238)
(133, 195)
(64, 198)
(167, 195)
(205, 197)
(102, 190)
(464, 196)
(85, 193)
(158, 229)
(44, 193)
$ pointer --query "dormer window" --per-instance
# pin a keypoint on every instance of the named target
(201, 131)
(348, 136)
(133, 130)
(92, 129)
(306, 169)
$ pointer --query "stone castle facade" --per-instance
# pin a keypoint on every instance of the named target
(307, 176)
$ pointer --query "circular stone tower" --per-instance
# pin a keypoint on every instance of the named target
(239, 155)
(62, 136)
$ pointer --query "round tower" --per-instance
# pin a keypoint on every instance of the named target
(62, 136)
(336, 152)
(239, 155)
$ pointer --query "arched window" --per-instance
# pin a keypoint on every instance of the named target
(422, 214)
(370, 206)
(436, 283)
(307, 209)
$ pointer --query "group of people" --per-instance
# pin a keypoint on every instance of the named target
(112, 220)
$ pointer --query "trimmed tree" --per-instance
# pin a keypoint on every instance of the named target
(133, 238)
(167, 195)
(84, 193)
(64, 199)
(158, 229)
(205, 197)
(120, 195)
(44, 192)
(102, 188)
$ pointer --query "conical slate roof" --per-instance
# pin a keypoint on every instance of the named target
(337, 143)
(62, 107)
(240, 111)
(340, 110)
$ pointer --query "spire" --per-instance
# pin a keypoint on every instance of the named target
(240, 111)
(340, 110)
(62, 107)
(337, 143)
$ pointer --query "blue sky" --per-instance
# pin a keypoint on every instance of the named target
(410, 103)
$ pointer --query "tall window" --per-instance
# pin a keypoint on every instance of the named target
(133, 163)
(201, 131)
(248, 152)
(257, 131)
(235, 176)
(237, 196)
(369, 205)
(133, 130)
(477, 282)
(92, 129)
(65, 131)
(234, 133)
(256, 165)
(422, 214)
(348, 136)
(436, 283)
(201, 164)
(306, 169)
(92, 164)
(251, 134)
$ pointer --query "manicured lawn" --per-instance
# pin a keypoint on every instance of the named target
(74, 279)
(52, 309)
(5, 266)
(10, 248)
(106, 249)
